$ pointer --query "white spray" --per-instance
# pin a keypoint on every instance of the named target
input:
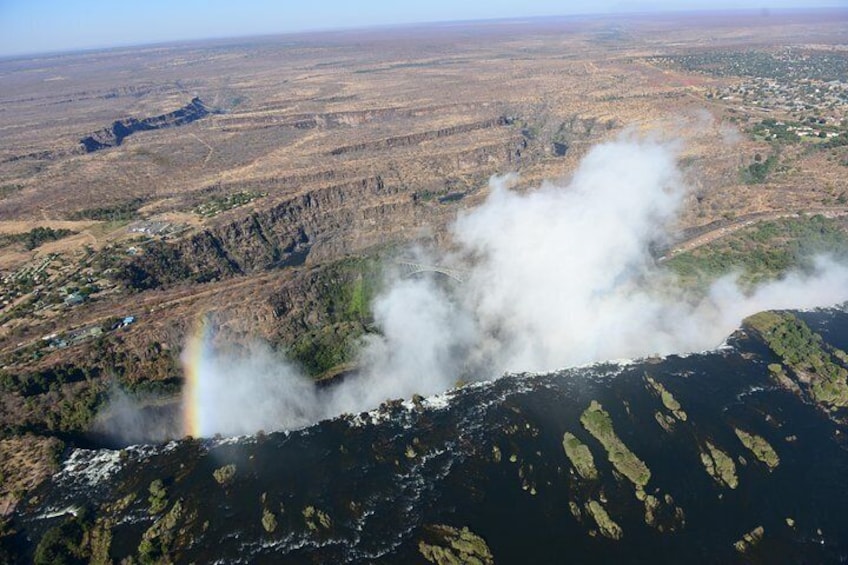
(558, 276)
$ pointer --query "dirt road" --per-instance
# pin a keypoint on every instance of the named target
(702, 236)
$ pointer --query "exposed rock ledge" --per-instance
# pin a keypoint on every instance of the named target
(114, 135)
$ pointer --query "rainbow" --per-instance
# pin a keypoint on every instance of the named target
(195, 422)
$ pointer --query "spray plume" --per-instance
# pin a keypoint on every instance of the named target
(559, 276)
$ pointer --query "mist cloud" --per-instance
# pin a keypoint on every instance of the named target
(236, 394)
(134, 418)
(558, 276)
(559, 271)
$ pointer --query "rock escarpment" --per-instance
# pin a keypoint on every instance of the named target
(325, 223)
(113, 136)
(328, 221)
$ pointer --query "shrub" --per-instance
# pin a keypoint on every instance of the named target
(158, 496)
(225, 475)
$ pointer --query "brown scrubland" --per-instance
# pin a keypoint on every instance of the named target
(252, 181)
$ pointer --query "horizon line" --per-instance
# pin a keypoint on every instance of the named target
(178, 42)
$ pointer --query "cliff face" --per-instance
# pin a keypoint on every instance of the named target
(324, 224)
(416, 138)
(343, 119)
(327, 221)
(114, 135)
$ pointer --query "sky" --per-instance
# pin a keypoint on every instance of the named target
(38, 26)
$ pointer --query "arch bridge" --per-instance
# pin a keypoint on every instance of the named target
(408, 269)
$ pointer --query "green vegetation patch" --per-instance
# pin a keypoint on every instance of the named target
(763, 251)
(73, 412)
(759, 171)
(759, 447)
(806, 353)
(719, 465)
(777, 131)
(445, 545)
(77, 412)
(316, 519)
(666, 421)
(345, 292)
(778, 373)
(661, 512)
(163, 538)
(786, 65)
(598, 423)
(750, 539)
(67, 397)
(667, 399)
(218, 204)
(64, 543)
(225, 475)
(269, 521)
(158, 498)
(814, 130)
(100, 542)
(77, 539)
(766, 324)
(330, 349)
(652, 505)
(7, 190)
(606, 525)
(580, 456)
(39, 382)
(35, 237)
(120, 211)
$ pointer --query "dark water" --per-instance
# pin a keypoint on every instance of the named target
(830, 323)
(356, 470)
